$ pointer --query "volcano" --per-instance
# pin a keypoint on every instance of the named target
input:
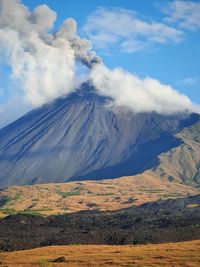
(82, 136)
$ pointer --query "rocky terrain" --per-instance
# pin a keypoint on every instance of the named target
(176, 174)
(182, 163)
(156, 222)
(82, 140)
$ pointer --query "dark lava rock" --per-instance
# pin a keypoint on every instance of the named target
(156, 222)
(60, 259)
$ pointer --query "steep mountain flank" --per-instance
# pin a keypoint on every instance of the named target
(182, 163)
(81, 137)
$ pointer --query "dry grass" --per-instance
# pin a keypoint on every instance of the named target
(169, 254)
(49, 199)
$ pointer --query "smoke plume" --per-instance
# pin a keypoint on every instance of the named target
(147, 95)
(43, 63)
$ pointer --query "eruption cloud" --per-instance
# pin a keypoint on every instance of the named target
(43, 61)
(139, 95)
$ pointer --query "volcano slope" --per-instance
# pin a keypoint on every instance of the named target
(176, 174)
(81, 137)
(182, 163)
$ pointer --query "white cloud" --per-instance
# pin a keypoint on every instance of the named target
(185, 13)
(123, 28)
(132, 46)
(191, 81)
(42, 63)
(139, 95)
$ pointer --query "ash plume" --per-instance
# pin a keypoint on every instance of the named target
(43, 63)
(82, 47)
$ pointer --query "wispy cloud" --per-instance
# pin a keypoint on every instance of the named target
(185, 13)
(190, 82)
(125, 29)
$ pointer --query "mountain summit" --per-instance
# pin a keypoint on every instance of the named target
(82, 137)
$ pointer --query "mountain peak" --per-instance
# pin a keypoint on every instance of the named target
(87, 91)
(78, 137)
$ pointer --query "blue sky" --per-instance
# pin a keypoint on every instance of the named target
(174, 64)
(165, 43)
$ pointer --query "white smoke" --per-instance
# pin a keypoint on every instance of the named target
(43, 63)
(147, 95)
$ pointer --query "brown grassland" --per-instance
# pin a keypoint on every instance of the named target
(167, 255)
(104, 195)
